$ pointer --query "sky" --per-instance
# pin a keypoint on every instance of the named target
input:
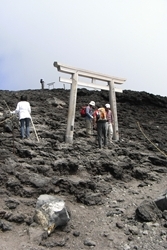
(122, 38)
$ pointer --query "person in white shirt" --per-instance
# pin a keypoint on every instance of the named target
(23, 109)
(110, 122)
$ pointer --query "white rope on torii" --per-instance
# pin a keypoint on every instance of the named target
(75, 74)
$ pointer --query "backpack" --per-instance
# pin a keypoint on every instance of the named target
(101, 114)
(83, 111)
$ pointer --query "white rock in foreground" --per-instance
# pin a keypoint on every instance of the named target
(51, 212)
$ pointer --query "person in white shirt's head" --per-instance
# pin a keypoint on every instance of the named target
(23, 109)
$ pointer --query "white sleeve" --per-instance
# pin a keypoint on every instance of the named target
(29, 108)
(16, 110)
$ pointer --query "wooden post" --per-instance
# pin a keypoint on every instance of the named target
(112, 98)
(71, 109)
(34, 129)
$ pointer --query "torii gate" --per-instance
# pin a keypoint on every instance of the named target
(75, 74)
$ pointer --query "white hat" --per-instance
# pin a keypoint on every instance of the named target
(107, 106)
(92, 103)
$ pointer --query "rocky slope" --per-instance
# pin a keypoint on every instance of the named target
(102, 189)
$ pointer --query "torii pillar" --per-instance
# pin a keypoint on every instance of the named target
(71, 109)
(113, 105)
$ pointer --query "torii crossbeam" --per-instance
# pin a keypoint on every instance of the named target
(75, 74)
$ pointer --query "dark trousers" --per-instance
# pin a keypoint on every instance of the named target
(102, 133)
(25, 123)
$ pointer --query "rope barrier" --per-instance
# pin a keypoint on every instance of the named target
(151, 141)
(9, 118)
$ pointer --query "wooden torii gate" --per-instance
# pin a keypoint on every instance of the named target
(75, 74)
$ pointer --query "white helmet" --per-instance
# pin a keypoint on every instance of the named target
(107, 106)
(92, 103)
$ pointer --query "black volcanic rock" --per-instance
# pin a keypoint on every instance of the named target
(94, 183)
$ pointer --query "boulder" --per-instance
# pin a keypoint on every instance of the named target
(51, 212)
(148, 211)
(161, 201)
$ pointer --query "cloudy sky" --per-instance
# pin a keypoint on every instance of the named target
(123, 38)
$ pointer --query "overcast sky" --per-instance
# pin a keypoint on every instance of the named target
(123, 38)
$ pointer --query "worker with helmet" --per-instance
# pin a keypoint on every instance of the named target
(110, 121)
(89, 118)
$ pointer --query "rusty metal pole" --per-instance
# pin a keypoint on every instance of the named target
(71, 109)
(112, 98)
(12, 126)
